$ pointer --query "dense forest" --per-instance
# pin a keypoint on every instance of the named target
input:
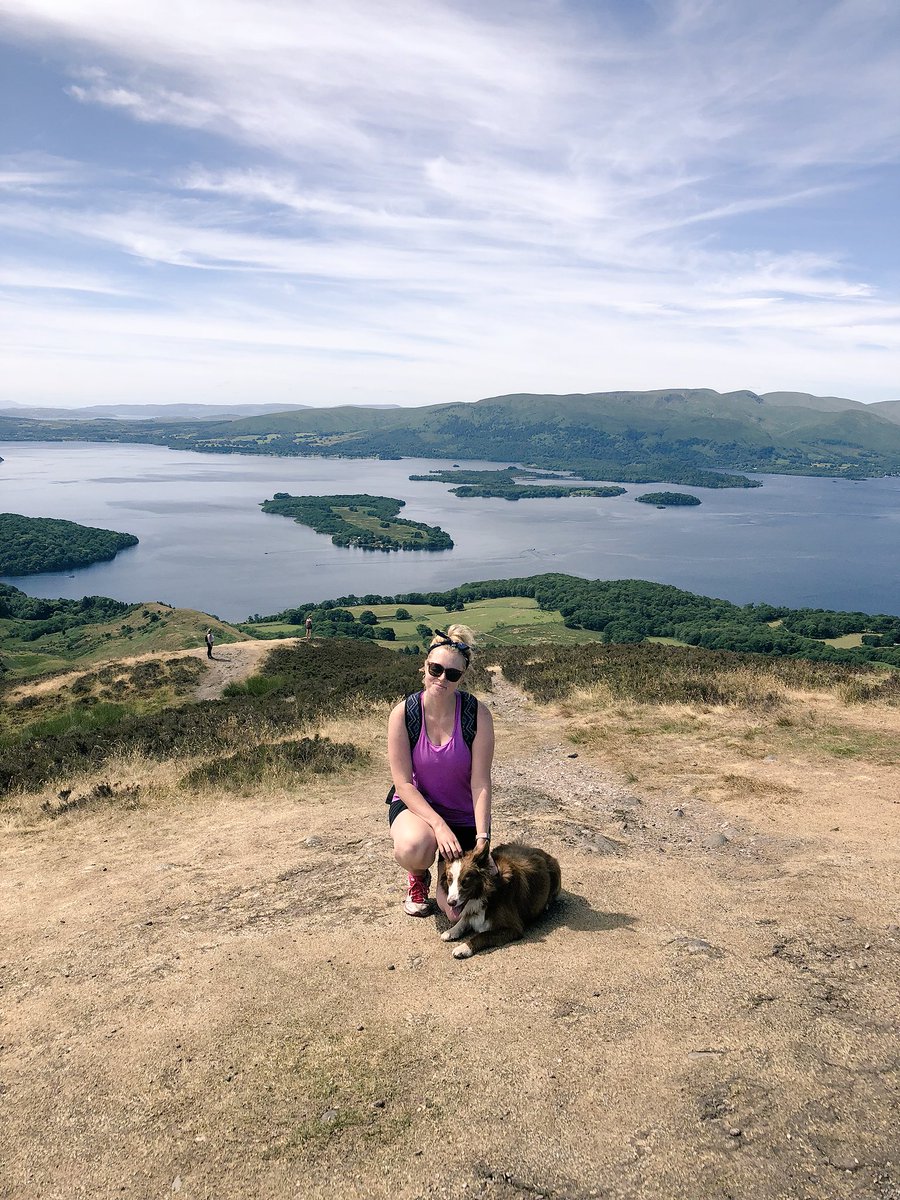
(29, 545)
(29, 617)
(366, 522)
(630, 610)
(668, 499)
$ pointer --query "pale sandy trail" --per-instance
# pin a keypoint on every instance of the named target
(224, 999)
(233, 662)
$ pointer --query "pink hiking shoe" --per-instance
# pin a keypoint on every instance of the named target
(417, 903)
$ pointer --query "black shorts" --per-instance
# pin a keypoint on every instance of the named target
(465, 833)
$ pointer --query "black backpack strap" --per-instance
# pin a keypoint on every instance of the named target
(413, 716)
(468, 718)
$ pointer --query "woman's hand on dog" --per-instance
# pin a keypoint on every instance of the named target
(448, 843)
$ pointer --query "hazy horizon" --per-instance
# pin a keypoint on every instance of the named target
(11, 404)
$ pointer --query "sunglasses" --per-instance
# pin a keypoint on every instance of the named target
(438, 669)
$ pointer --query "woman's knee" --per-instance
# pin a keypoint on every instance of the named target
(414, 847)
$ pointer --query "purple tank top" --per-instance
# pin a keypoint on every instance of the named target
(443, 774)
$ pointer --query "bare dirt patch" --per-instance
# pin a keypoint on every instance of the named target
(222, 997)
(233, 663)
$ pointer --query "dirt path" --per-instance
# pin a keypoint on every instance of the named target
(225, 999)
(233, 662)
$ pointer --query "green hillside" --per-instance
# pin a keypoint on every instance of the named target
(619, 436)
(38, 636)
(889, 409)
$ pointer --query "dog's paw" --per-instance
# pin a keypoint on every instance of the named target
(463, 951)
(449, 935)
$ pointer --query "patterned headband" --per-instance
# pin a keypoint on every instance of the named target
(464, 650)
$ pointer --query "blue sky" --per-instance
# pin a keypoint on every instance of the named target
(415, 202)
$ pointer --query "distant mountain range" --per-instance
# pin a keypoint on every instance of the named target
(146, 412)
(665, 435)
(643, 431)
(154, 412)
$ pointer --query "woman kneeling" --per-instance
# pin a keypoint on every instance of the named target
(442, 797)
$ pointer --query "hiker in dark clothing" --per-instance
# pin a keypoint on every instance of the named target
(209, 643)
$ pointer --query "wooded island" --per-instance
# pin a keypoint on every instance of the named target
(31, 545)
(367, 522)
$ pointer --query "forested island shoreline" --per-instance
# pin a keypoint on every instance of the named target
(37, 545)
(515, 483)
(362, 521)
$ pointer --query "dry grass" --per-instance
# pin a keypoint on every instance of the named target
(811, 747)
(741, 787)
(127, 782)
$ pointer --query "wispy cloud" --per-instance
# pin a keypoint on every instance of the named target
(532, 195)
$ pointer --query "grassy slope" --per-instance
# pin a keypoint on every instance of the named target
(889, 409)
(175, 629)
(499, 621)
(210, 987)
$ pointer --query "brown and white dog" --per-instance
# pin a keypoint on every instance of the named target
(494, 906)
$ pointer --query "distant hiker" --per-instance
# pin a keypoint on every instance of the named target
(308, 626)
(209, 643)
(440, 745)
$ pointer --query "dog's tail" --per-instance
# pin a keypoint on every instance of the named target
(555, 877)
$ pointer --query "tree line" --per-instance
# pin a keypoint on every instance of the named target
(626, 611)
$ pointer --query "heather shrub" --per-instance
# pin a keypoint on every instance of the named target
(281, 762)
(659, 674)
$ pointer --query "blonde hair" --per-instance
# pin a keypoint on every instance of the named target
(460, 635)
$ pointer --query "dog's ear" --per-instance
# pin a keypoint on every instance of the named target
(481, 852)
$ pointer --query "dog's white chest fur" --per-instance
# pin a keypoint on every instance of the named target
(476, 918)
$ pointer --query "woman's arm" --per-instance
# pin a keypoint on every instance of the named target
(482, 758)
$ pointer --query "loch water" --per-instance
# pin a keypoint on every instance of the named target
(206, 544)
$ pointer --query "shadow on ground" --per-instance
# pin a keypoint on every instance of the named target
(569, 911)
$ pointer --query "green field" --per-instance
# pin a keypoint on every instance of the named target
(381, 528)
(847, 642)
(504, 621)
